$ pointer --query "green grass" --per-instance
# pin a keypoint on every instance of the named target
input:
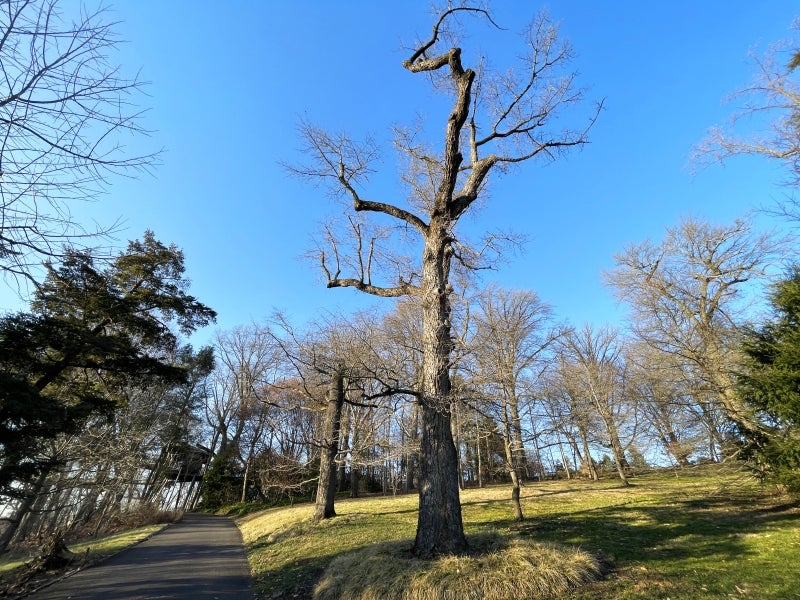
(699, 533)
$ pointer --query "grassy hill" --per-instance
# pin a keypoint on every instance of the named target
(709, 532)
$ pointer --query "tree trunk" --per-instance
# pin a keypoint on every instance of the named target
(478, 449)
(345, 442)
(440, 528)
(619, 454)
(326, 486)
(564, 459)
(517, 445)
(587, 456)
(455, 427)
(509, 446)
(439, 524)
(412, 456)
(22, 510)
(355, 458)
(515, 487)
(245, 481)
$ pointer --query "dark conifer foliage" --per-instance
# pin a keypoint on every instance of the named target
(771, 385)
(94, 329)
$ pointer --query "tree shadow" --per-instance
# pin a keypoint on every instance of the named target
(701, 528)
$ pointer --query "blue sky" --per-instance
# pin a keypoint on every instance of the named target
(229, 82)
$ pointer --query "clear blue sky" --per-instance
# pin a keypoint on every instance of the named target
(229, 81)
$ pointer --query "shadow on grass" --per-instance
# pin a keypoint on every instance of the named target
(697, 528)
(672, 537)
(295, 580)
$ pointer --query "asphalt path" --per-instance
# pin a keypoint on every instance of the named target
(201, 557)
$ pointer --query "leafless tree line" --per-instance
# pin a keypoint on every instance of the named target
(533, 397)
(305, 412)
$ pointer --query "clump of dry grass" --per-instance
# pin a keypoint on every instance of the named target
(497, 568)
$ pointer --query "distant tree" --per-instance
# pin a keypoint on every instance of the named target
(222, 481)
(594, 365)
(402, 331)
(137, 459)
(686, 299)
(770, 385)
(570, 415)
(335, 359)
(497, 120)
(250, 362)
(66, 112)
(670, 413)
(91, 331)
(513, 335)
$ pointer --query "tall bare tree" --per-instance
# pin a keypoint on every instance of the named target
(673, 417)
(686, 295)
(513, 333)
(64, 110)
(496, 120)
(339, 361)
(570, 415)
(594, 365)
(250, 363)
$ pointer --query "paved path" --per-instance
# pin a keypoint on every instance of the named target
(200, 557)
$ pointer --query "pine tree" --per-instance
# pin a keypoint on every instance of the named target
(771, 386)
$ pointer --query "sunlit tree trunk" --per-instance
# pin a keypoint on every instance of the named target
(508, 444)
(326, 486)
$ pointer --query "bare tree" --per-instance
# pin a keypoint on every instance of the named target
(594, 365)
(772, 102)
(65, 111)
(338, 361)
(687, 295)
(250, 363)
(512, 336)
(496, 120)
(402, 329)
(570, 415)
(666, 402)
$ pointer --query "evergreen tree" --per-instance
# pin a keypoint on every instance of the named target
(771, 386)
(93, 329)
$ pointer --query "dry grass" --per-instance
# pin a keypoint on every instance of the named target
(511, 568)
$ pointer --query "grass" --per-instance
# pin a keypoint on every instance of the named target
(700, 533)
(497, 567)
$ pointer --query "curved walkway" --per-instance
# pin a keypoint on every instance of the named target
(200, 557)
